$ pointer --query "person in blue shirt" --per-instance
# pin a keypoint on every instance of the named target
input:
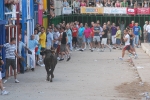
(81, 37)
(136, 30)
(1, 84)
(20, 48)
(32, 45)
(50, 39)
(65, 3)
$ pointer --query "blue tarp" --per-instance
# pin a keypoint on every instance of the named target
(1, 9)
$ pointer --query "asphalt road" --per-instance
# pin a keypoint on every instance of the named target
(87, 76)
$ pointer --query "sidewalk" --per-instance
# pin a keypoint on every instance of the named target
(143, 64)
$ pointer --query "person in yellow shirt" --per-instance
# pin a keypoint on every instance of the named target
(42, 39)
(118, 38)
(42, 42)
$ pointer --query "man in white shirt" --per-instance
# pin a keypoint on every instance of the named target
(148, 31)
(126, 39)
(145, 33)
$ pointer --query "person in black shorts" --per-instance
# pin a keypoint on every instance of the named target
(63, 46)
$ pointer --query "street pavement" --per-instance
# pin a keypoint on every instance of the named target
(87, 76)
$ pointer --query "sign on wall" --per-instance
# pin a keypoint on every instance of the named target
(67, 10)
(96, 10)
(115, 10)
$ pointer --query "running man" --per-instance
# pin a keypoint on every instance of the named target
(127, 45)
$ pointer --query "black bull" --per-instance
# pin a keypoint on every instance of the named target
(50, 62)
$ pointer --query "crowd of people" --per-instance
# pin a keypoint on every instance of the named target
(105, 3)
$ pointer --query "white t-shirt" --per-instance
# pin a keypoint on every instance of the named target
(148, 28)
(128, 41)
(144, 27)
(37, 37)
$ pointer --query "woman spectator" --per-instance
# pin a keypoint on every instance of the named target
(8, 9)
(109, 4)
(104, 2)
(117, 4)
(124, 3)
(65, 3)
(145, 4)
(99, 4)
(52, 9)
(76, 6)
(131, 3)
(82, 4)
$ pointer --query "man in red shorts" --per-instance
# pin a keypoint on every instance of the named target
(126, 39)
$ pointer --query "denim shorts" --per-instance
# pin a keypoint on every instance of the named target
(88, 40)
(118, 41)
(55, 46)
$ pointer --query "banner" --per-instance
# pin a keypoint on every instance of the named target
(131, 11)
(90, 10)
(143, 11)
(67, 10)
(113, 10)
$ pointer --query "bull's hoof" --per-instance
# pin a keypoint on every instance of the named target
(47, 79)
(52, 75)
(51, 80)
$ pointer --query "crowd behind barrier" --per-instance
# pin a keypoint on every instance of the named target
(128, 7)
(109, 10)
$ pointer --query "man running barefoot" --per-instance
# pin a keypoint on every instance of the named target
(126, 39)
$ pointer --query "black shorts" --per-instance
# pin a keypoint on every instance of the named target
(127, 47)
(74, 40)
(10, 62)
(42, 49)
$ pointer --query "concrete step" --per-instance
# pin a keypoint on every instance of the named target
(143, 62)
(146, 48)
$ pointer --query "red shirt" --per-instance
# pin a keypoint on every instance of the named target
(87, 32)
(74, 32)
(131, 25)
(92, 31)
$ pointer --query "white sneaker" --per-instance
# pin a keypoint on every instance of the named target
(58, 58)
(98, 50)
(4, 93)
(42, 65)
(16, 81)
(135, 57)
(79, 49)
(120, 58)
(5, 81)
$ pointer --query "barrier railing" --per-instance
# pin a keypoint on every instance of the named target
(107, 10)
